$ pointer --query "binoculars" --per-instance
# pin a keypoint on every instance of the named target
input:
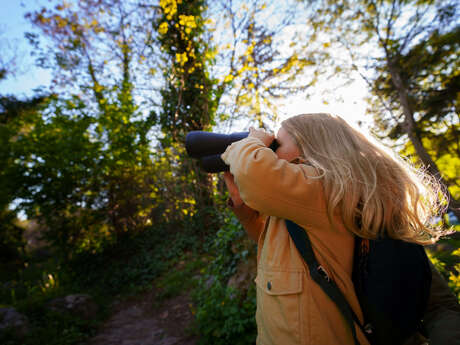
(208, 147)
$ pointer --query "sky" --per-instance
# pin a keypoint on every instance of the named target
(352, 108)
(28, 77)
(13, 25)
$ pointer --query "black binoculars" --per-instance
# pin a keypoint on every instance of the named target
(208, 147)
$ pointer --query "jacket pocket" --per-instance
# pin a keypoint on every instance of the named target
(279, 306)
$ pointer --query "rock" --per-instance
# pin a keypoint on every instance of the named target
(80, 305)
(14, 321)
(210, 282)
(8, 286)
(245, 274)
(247, 266)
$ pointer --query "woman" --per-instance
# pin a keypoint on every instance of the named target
(328, 178)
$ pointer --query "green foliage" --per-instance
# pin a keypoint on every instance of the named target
(228, 248)
(454, 276)
(91, 166)
(446, 259)
(11, 237)
(130, 178)
(183, 277)
(90, 158)
(223, 314)
(135, 262)
(190, 97)
(16, 116)
(93, 181)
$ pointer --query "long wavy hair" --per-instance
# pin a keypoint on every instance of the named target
(377, 193)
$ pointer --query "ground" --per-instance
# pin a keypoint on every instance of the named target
(141, 320)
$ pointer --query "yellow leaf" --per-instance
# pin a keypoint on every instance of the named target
(163, 29)
(228, 78)
(181, 58)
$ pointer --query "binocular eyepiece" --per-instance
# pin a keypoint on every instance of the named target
(208, 147)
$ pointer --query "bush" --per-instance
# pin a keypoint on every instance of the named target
(446, 258)
(223, 314)
(11, 240)
(133, 264)
(454, 275)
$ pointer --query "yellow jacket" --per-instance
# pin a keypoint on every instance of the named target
(291, 308)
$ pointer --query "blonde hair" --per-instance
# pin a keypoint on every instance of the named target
(376, 192)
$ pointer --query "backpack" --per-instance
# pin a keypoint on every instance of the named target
(392, 281)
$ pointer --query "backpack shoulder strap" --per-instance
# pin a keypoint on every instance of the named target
(318, 274)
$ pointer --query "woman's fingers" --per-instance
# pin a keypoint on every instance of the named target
(232, 189)
(264, 136)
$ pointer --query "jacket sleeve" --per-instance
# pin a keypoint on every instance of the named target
(252, 221)
(274, 186)
(442, 317)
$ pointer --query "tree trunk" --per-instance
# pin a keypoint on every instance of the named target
(411, 130)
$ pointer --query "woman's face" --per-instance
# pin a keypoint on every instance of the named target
(288, 149)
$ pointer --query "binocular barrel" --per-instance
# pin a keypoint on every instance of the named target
(208, 147)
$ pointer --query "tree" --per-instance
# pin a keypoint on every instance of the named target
(15, 117)
(104, 55)
(93, 139)
(190, 96)
(400, 42)
(259, 57)
(244, 56)
(243, 67)
(429, 71)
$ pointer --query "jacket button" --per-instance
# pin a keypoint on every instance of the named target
(269, 285)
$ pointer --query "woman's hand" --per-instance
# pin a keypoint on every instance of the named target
(251, 220)
(265, 137)
(233, 189)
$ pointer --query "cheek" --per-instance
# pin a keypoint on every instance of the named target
(288, 153)
(279, 153)
(282, 153)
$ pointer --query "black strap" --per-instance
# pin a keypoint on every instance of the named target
(319, 275)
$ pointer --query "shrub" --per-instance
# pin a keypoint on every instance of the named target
(223, 314)
(11, 241)
(454, 276)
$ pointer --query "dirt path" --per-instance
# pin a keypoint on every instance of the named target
(140, 322)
